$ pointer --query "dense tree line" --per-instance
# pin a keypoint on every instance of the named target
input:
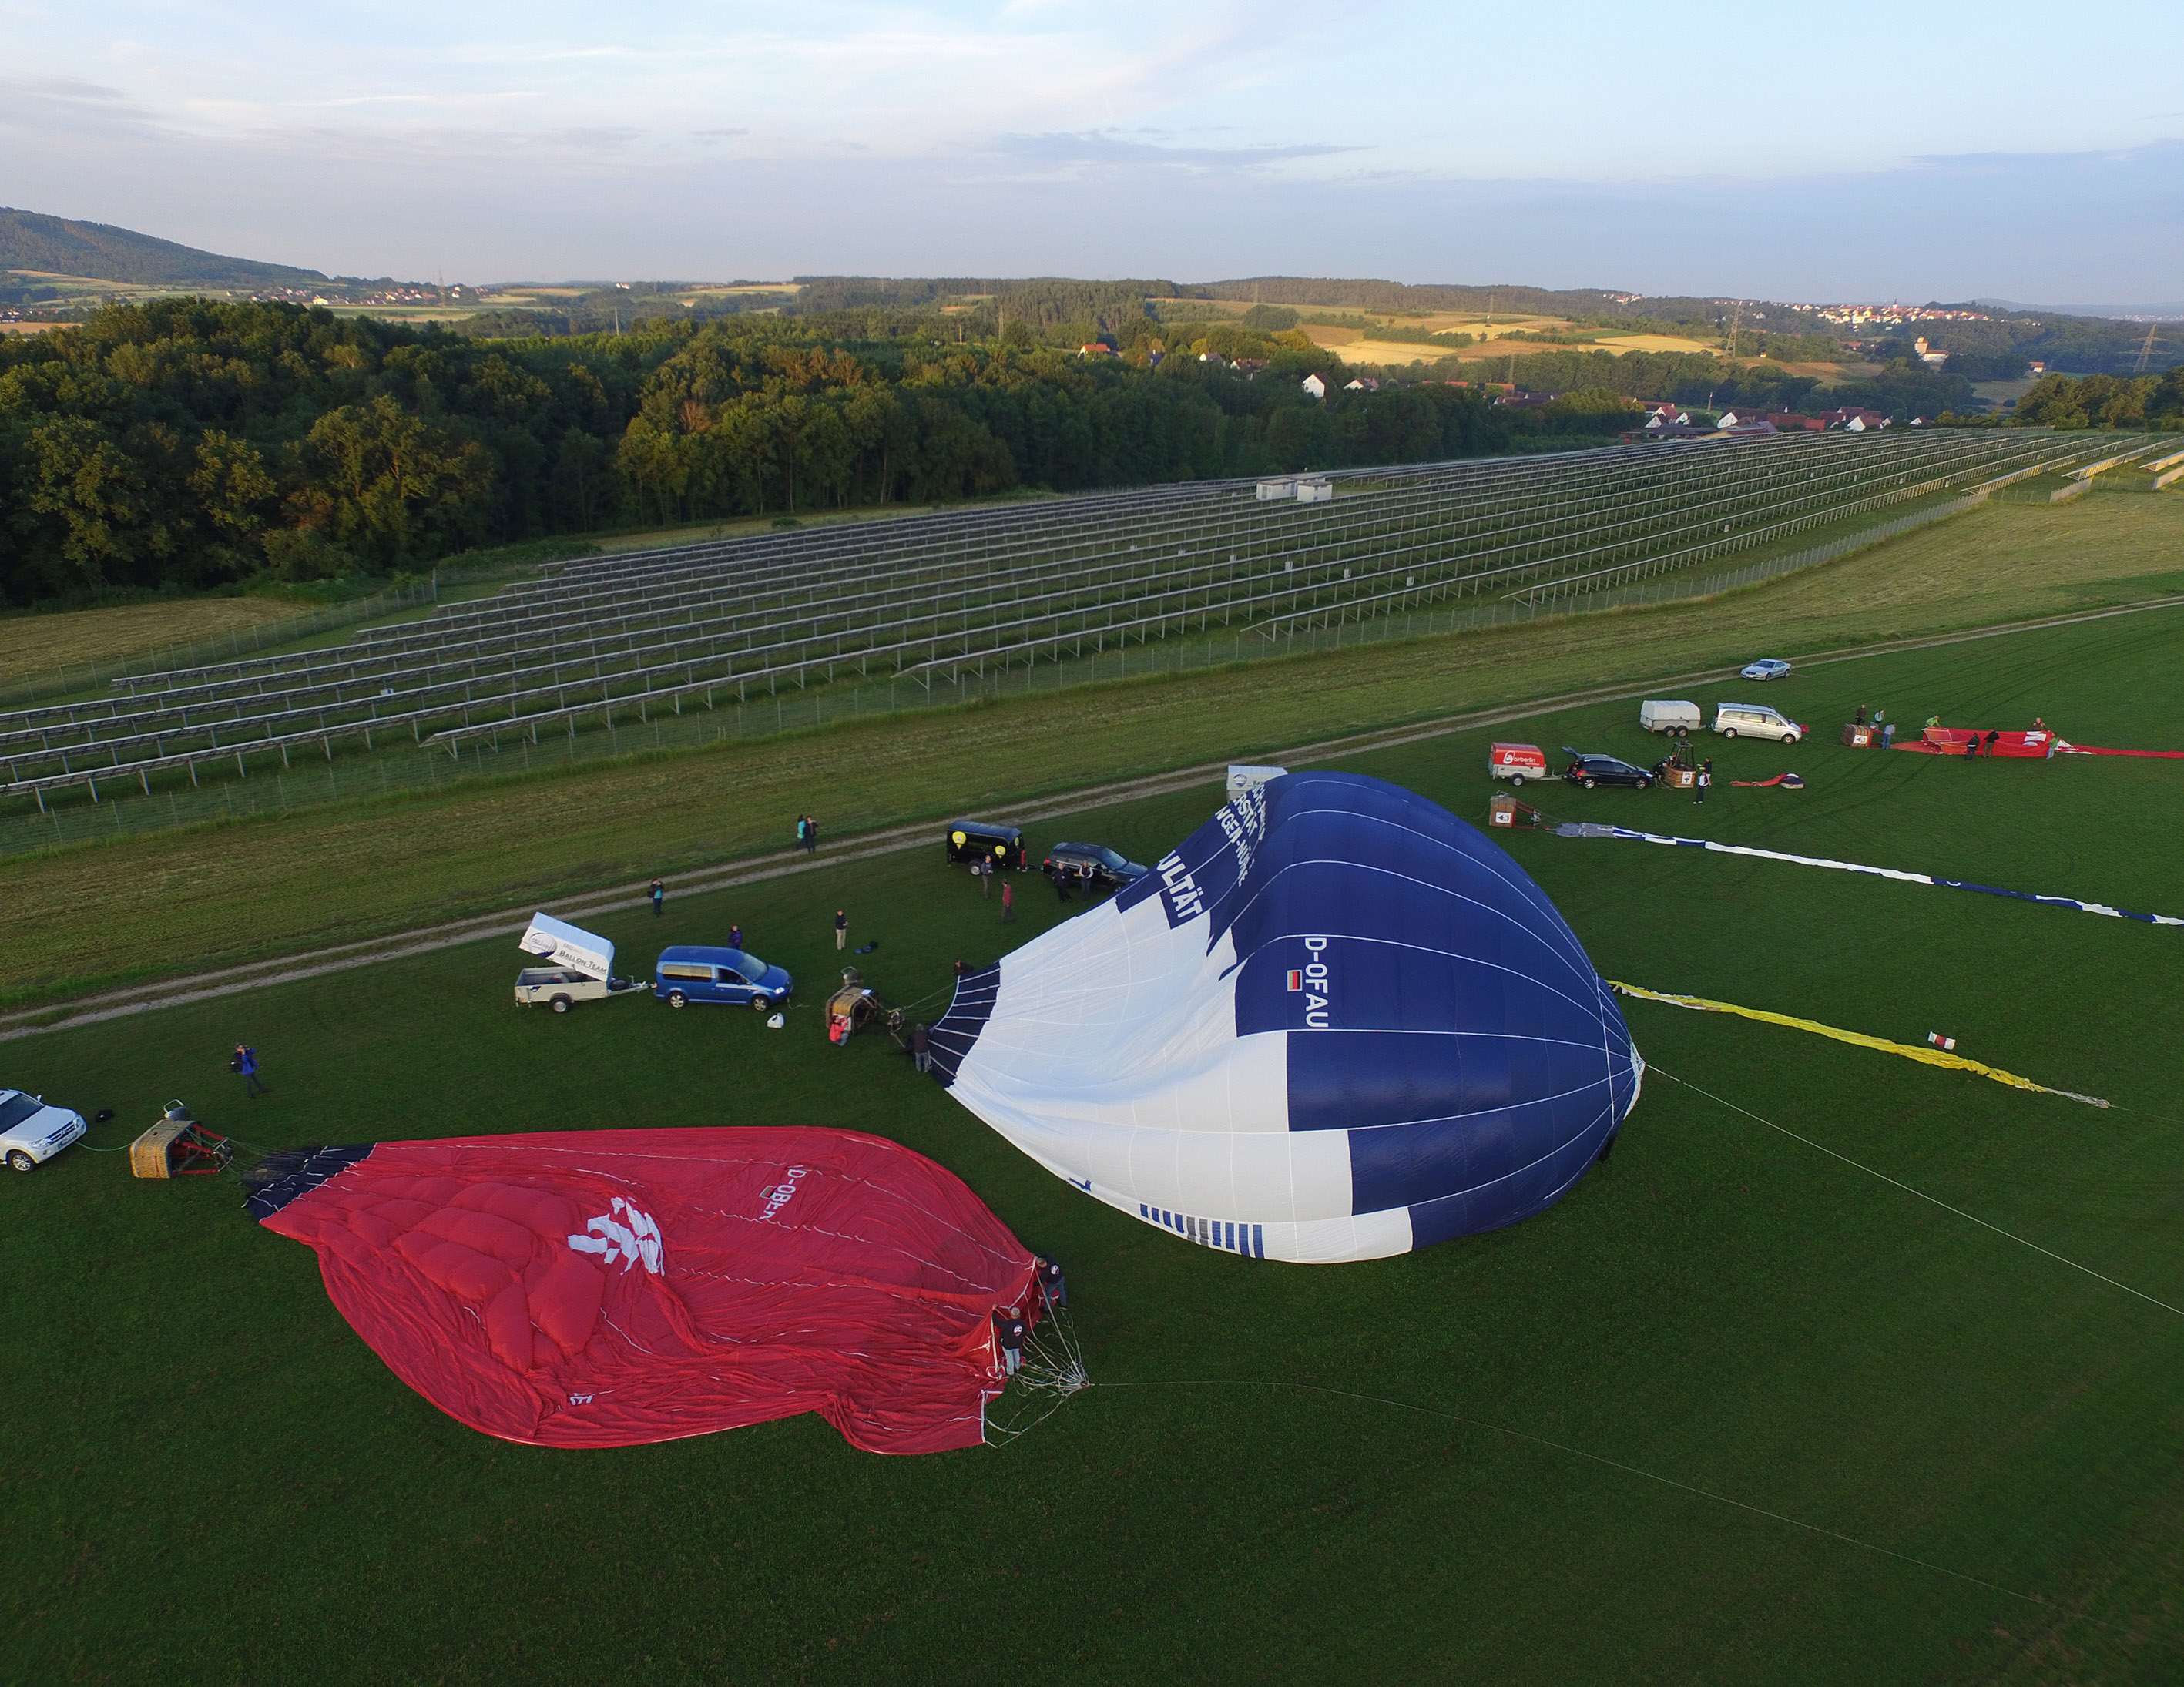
(2131, 402)
(189, 442)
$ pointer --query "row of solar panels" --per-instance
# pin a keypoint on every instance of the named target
(1073, 608)
(521, 686)
(542, 615)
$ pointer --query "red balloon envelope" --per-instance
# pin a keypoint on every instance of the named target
(599, 1289)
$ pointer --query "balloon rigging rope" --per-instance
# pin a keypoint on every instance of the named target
(1654, 1069)
(1630, 1470)
(1052, 1370)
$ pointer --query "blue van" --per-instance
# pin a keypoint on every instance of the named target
(690, 973)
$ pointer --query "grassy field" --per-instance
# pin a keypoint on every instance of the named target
(33, 644)
(703, 533)
(212, 1479)
(197, 897)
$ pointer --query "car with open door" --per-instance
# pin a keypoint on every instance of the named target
(1590, 770)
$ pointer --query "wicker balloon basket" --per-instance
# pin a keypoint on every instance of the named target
(178, 1146)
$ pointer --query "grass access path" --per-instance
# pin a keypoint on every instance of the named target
(93, 915)
(1734, 1412)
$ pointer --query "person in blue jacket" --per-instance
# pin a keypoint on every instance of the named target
(245, 1061)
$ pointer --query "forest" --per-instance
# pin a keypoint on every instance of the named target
(187, 443)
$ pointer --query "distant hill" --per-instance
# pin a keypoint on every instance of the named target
(29, 240)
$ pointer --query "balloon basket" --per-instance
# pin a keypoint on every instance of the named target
(178, 1146)
(1507, 814)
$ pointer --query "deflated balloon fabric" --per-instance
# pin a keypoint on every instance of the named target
(1336, 1022)
(595, 1288)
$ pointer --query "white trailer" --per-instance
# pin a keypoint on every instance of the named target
(579, 966)
(1242, 778)
(1670, 716)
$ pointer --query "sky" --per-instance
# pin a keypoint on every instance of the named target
(1928, 151)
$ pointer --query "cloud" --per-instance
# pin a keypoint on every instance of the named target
(1107, 148)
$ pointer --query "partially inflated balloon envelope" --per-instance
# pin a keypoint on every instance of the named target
(598, 1288)
(1336, 1023)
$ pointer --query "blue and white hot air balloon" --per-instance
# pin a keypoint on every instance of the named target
(1336, 1023)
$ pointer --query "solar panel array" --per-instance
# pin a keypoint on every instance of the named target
(928, 599)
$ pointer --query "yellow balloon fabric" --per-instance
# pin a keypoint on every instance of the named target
(1933, 1057)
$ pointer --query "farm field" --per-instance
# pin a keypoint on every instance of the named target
(649, 538)
(1755, 1413)
(1357, 346)
(33, 644)
(199, 897)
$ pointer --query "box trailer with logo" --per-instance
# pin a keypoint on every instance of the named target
(1517, 762)
(1243, 778)
(579, 966)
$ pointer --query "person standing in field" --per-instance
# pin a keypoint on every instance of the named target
(921, 1051)
(735, 936)
(658, 897)
(1705, 779)
(800, 832)
(985, 870)
(841, 928)
(245, 1061)
(811, 836)
(1010, 1326)
(1008, 903)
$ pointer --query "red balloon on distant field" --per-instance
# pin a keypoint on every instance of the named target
(601, 1289)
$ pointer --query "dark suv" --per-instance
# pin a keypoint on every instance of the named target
(1092, 862)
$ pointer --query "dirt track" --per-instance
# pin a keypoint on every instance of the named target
(287, 969)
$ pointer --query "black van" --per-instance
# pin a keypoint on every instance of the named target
(972, 840)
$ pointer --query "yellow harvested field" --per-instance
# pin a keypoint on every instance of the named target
(36, 644)
(1489, 344)
(1653, 343)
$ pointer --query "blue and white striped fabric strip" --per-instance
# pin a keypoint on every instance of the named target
(1247, 1239)
(1592, 829)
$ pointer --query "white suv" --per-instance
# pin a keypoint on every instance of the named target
(1754, 721)
(31, 1132)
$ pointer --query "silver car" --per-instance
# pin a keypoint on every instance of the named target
(31, 1132)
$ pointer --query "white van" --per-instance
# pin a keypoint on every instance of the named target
(1754, 721)
(1668, 716)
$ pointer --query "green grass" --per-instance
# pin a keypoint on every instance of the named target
(210, 1477)
(148, 906)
